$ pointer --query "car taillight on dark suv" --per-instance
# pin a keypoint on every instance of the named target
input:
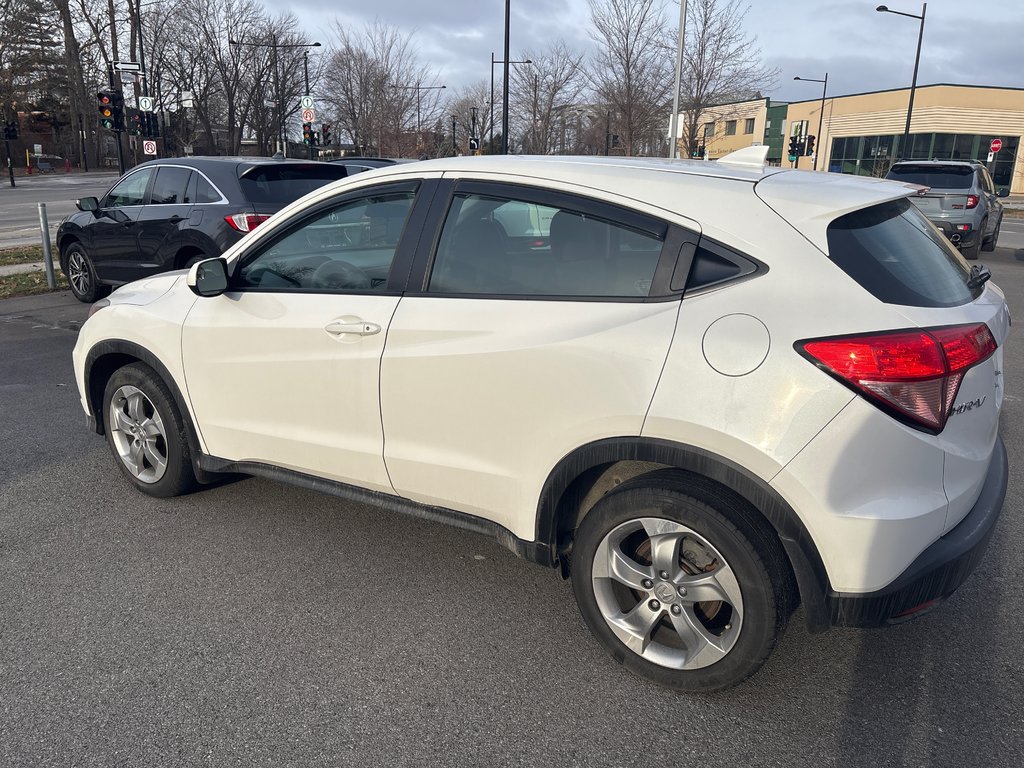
(246, 222)
(913, 374)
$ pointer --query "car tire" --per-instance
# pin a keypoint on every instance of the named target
(146, 433)
(971, 252)
(81, 274)
(990, 243)
(641, 543)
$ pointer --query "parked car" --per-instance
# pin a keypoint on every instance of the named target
(168, 214)
(705, 392)
(961, 200)
(360, 164)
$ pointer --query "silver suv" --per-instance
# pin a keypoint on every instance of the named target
(961, 200)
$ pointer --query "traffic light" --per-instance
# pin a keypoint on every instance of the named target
(474, 144)
(117, 102)
(698, 151)
(150, 125)
(615, 139)
(135, 122)
(105, 105)
(810, 145)
(11, 130)
(307, 133)
(794, 147)
(327, 134)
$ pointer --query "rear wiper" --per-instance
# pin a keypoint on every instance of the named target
(980, 274)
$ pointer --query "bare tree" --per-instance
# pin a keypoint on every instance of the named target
(544, 94)
(468, 107)
(381, 95)
(630, 72)
(721, 63)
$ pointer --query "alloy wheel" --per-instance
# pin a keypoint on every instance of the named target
(138, 432)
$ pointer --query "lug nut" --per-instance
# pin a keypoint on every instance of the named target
(664, 575)
(654, 605)
(676, 609)
(647, 583)
(682, 591)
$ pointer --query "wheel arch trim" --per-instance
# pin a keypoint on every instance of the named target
(122, 349)
(556, 504)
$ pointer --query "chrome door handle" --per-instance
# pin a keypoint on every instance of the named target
(362, 329)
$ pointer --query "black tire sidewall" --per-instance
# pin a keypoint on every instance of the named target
(179, 477)
(761, 613)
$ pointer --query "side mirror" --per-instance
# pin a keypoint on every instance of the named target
(208, 278)
(1003, 192)
(87, 204)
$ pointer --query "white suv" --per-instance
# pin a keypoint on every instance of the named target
(705, 392)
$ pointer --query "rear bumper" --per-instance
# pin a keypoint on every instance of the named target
(938, 571)
(967, 239)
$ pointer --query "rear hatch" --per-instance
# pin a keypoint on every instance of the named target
(948, 187)
(269, 187)
(899, 258)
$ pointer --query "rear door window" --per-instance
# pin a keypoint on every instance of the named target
(170, 185)
(279, 185)
(934, 176)
(899, 257)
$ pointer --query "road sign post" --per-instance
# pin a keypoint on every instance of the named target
(149, 148)
(308, 115)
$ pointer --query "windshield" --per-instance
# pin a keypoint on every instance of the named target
(897, 255)
(934, 176)
(282, 184)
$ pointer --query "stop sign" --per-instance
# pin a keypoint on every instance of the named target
(996, 145)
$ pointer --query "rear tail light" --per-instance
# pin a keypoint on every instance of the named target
(912, 374)
(972, 201)
(245, 222)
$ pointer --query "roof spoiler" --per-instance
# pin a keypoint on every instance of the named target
(748, 157)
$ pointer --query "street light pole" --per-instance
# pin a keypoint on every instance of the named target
(279, 113)
(418, 88)
(673, 151)
(504, 91)
(305, 70)
(821, 114)
(917, 61)
(493, 62)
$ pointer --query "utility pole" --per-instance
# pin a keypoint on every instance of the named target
(504, 92)
(673, 151)
(455, 146)
(305, 69)
(117, 131)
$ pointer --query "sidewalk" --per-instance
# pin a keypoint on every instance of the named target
(17, 269)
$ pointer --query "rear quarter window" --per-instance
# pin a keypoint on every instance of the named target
(899, 257)
(283, 184)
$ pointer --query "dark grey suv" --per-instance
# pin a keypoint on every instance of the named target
(961, 200)
(167, 214)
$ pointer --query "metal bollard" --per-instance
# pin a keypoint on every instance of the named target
(44, 229)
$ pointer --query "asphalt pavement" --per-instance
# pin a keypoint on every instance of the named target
(19, 206)
(256, 624)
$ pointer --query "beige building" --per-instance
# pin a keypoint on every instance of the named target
(861, 133)
(727, 127)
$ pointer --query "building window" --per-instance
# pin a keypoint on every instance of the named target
(709, 130)
(730, 127)
(749, 127)
(874, 155)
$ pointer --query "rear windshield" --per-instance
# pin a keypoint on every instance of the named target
(896, 254)
(934, 176)
(285, 183)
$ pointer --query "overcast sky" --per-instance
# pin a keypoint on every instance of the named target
(862, 50)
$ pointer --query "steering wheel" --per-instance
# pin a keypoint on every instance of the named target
(340, 275)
